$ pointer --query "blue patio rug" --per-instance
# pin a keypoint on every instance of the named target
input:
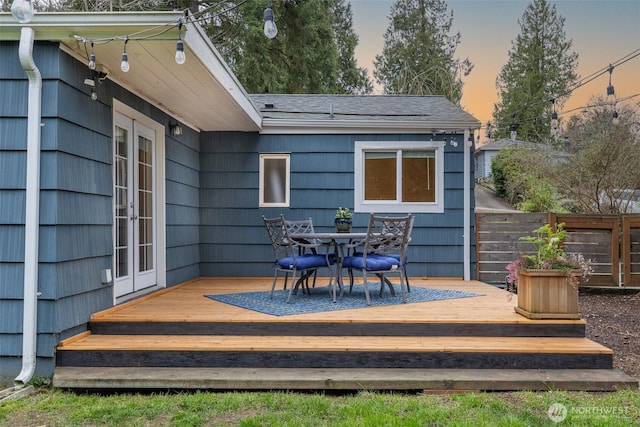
(319, 299)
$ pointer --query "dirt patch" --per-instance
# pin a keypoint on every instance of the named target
(613, 320)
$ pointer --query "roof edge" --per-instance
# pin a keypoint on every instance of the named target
(273, 126)
(62, 25)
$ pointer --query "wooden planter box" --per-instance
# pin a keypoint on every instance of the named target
(546, 294)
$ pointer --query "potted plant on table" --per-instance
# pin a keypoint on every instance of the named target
(343, 220)
(548, 280)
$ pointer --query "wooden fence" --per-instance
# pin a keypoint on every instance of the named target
(612, 242)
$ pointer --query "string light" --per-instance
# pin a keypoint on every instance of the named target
(270, 29)
(554, 116)
(22, 11)
(124, 65)
(180, 58)
(610, 89)
(615, 119)
(92, 59)
(633, 54)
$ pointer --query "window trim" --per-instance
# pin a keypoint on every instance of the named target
(275, 156)
(386, 206)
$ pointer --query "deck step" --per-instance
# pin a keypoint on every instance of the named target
(326, 352)
(434, 380)
(327, 327)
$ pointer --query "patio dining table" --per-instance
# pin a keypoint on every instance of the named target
(338, 241)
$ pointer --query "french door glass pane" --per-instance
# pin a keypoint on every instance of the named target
(145, 205)
(121, 208)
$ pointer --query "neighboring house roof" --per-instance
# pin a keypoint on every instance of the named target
(202, 92)
(506, 143)
(362, 113)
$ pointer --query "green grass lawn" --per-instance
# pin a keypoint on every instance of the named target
(52, 407)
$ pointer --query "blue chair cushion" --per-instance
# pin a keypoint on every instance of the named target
(397, 256)
(375, 262)
(304, 262)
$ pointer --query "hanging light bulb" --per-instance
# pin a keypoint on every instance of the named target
(22, 11)
(94, 95)
(270, 29)
(615, 119)
(554, 120)
(124, 65)
(514, 131)
(92, 59)
(610, 89)
(180, 58)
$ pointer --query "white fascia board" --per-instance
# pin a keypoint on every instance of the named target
(279, 126)
(202, 46)
(64, 25)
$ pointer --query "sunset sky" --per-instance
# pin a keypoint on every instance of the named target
(602, 32)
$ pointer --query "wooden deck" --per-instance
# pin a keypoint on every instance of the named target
(178, 334)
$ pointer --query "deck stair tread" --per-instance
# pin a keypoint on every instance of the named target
(438, 380)
(334, 343)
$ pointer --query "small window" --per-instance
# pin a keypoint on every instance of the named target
(274, 180)
(399, 176)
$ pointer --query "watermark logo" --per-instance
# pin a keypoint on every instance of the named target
(557, 412)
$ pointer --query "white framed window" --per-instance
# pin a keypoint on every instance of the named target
(274, 179)
(399, 176)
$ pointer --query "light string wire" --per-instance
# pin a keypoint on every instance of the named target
(162, 28)
(192, 17)
(582, 82)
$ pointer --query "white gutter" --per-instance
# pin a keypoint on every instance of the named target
(467, 205)
(32, 208)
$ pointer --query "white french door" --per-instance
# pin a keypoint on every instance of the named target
(135, 213)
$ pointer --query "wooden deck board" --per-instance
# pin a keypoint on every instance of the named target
(187, 303)
(337, 343)
(441, 380)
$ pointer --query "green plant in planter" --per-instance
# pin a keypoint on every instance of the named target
(343, 220)
(344, 213)
(550, 255)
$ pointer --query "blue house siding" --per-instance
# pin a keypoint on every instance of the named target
(233, 239)
(182, 174)
(213, 221)
(76, 205)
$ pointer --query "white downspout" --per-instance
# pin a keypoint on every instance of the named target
(32, 209)
(467, 206)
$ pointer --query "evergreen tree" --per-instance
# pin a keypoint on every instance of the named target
(312, 53)
(538, 76)
(418, 54)
(351, 78)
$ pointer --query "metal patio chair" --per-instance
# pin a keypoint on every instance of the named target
(384, 252)
(291, 256)
(304, 226)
